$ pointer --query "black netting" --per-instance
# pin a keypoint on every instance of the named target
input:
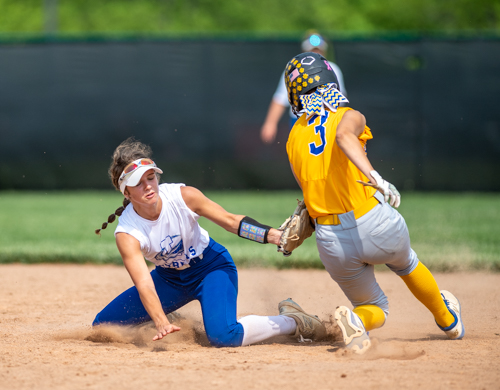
(200, 104)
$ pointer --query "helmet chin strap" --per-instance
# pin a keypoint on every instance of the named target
(325, 96)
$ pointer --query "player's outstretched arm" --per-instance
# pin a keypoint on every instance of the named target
(207, 208)
(134, 262)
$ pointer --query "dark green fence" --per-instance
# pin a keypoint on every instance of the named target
(64, 106)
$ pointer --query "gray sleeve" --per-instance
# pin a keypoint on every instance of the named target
(281, 95)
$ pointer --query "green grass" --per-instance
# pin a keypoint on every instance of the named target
(174, 16)
(449, 232)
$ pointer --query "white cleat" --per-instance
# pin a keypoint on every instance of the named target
(456, 330)
(355, 336)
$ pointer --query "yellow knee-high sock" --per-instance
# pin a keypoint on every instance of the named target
(424, 287)
(372, 316)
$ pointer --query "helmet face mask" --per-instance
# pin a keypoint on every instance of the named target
(305, 72)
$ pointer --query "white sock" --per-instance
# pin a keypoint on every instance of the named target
(260, 328)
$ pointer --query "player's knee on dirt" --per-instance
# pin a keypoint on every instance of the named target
(230, 336)
(99, 321)
(96, 321)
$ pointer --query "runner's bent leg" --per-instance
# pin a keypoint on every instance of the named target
(341, 258)
(393, 242)
(424, 287)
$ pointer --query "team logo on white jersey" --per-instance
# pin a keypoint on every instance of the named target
(172, 253)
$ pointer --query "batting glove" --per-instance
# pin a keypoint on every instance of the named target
(391, 194)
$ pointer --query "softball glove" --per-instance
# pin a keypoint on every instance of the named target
(296, 229)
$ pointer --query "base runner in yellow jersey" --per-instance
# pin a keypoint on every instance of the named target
(357, 225)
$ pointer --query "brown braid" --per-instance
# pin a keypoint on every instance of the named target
(128, 151)
(118, 212)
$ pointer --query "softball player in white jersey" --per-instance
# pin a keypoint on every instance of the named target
(160, 223)
(355, 226)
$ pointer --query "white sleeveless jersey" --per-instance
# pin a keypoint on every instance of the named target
(174, 238)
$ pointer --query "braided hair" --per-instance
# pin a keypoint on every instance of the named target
(128, 151)
(113, 216)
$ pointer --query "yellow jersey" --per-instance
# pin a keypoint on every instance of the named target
(326, 175)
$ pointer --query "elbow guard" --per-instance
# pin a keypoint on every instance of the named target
(253, 230)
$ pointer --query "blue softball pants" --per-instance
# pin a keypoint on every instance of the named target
(211, 279)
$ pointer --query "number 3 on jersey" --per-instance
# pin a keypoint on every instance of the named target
(313, 149)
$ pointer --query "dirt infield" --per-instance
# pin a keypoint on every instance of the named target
(46, 341)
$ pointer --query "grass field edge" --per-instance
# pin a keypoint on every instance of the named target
(298, 263)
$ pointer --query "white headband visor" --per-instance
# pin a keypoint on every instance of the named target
(136, 176)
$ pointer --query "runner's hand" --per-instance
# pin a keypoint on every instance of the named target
(389, 191)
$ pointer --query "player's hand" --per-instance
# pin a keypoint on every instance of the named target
(268, 133)
(389, 191)
(164, 329)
